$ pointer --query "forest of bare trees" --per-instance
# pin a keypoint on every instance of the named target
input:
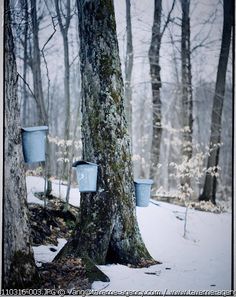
(143, 91)
(47, 96)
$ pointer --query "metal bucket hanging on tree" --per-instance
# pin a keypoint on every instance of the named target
(143, 191)
(86, 173)
(34, 143)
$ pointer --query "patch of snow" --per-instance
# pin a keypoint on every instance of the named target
(200, 262)
(36, 184)
(60, 191)
(43, 254)
(32, 199)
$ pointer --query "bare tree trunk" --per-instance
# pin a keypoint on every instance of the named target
(36, 66)
(24, 5)
(209, 190)
(155, 71)
(18, 261)
(107, 231)
(38, 87)
(67, 87)
(128, 68)
(71, 156)
(64, 27)
(175, 116)
(187, 96)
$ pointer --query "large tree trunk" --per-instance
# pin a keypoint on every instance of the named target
(128, 68)
(187, 97)
(209, 190)
(18, 261)
(107, 230)
(155, 71)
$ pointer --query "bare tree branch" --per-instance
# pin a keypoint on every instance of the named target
(203, 44)
(49, 38)
(60, 13)
(168, 18)
(75, 58)
(28, 86)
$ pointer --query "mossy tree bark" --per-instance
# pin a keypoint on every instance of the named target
(107, 231)
(209, 190)
(19, 267)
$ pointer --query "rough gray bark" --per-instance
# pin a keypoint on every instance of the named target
(128, 68)
(107, 230)
(209, 190)
(155, 71)
(187, 96)
(18, 261)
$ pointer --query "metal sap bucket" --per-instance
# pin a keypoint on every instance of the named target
(34, 143)
(86, 173)
(143, 191)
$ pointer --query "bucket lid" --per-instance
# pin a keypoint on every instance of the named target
(36, 128)
(82, 162)
(144, 181)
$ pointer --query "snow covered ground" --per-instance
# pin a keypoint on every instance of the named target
(36, 184)
(200, 262)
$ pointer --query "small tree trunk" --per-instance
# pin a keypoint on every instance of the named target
(36, 66)
(18, 261)
(77, 121)
(24, 5)
(187, 97)
(67, 86)
(209, 190)
(107, 231)
(64, 31)
(38, 87)
(155, 71)
(66, 169)
(128, 68)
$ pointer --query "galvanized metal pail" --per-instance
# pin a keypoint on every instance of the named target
(34, 143)
(86, 173)
(142, 191)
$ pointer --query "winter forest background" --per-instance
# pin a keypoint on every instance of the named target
(60, 75)
(146, 93)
